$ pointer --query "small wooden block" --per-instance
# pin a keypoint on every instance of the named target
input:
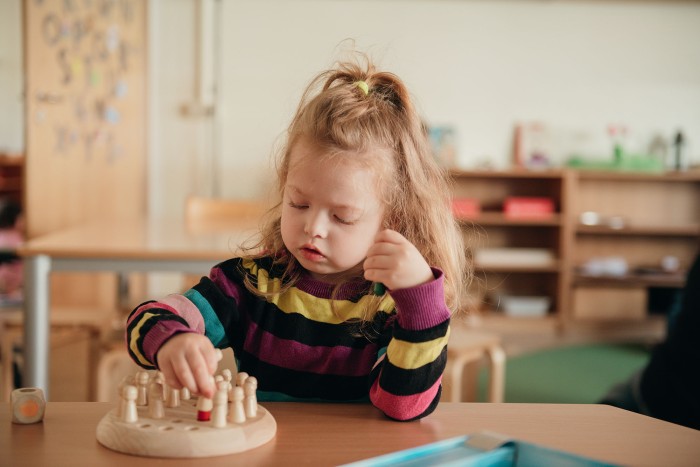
(28, 405)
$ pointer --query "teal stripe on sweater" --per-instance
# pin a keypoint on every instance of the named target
(213, 328)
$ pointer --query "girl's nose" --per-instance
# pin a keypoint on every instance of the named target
(316, 225)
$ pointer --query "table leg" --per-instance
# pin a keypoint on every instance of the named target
(36, 322)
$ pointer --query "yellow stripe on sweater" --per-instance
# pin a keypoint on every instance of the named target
(313, 308)
(411, 355)
(135, 334)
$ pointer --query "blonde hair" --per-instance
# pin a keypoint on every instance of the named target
(377, 123)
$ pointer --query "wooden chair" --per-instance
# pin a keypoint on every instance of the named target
(95, 322)
(465, 350)
(113, 366)
(209, 215)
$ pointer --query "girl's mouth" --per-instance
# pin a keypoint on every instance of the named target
(311, 253)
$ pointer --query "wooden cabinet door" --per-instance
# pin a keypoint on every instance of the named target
(86, 119)
(85, 68)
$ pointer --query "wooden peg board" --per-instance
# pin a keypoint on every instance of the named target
(179, 434)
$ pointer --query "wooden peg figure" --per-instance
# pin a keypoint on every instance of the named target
(161, 377)
(130, 414)
(236, 413)
(155, 400)
(173, 397)
(240, 378)
(226, 374)
(251, 400)
(218, 416)
(204, 406)
(185, 394)
(120, 396)
(142, 386)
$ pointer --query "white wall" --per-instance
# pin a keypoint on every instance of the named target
(480, 66)
(11, 105)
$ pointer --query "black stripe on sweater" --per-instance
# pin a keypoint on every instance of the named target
(295, 326)
(406, 382)
(303, 384)
(224, 306)
(423, 335)
(159, 315)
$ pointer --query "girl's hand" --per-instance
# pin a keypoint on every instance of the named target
(189, 360)
(396, 262)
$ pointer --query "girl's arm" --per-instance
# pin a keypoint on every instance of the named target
(406, 380)
(178, 334)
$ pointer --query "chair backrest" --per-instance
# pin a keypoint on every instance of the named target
(214, 214)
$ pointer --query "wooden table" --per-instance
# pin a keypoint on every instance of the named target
(332, 434)
(121, 246)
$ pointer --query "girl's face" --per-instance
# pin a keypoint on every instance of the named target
(331, 212)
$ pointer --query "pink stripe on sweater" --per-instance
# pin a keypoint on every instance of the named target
(224, 283)
(402, 407)
(187, 310)
(146, 307)
(290, 354)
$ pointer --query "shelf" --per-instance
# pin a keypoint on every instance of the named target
(519, 269)
(10, 184)
(632, 280)
(515, 173)
(487, 318)
(667, 177)
(496, 219)
(650, 231)
(7, 160)
(661, 219)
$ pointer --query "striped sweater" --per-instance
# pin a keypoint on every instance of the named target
(297, 346)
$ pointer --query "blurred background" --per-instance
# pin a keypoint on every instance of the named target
(123, 107)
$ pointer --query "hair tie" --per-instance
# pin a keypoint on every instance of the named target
(363, 86)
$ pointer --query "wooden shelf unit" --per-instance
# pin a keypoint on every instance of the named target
(493, 229)
(656, 215)
(12, 177)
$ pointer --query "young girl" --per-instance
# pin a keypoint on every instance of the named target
(362, 264)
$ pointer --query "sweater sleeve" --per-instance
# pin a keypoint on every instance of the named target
(208, 308)
(406, 380)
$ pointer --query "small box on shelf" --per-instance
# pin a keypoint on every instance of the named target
(525, 306)
(466, 208)
(519, 207)
(514, 257)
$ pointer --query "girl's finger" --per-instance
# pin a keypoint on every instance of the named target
(389, 236)
(184, 375)
(202, 375)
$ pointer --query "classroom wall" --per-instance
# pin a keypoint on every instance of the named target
(11, 105)
(479, 66)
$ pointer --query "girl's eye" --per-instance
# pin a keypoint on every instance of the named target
(343, 221)
(297, 206)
